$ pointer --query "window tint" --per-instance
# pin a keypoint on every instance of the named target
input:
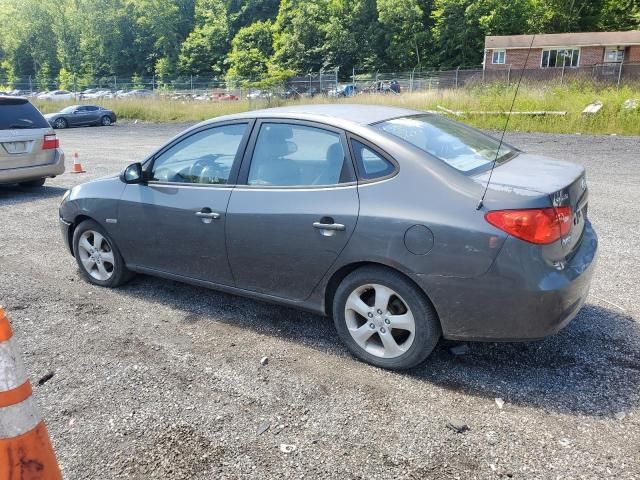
(455, 144)
(91, 108)
(370, 164)
(20, 115)
(296, 155)
(204, 157)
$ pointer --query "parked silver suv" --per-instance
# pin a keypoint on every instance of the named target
(29, 149)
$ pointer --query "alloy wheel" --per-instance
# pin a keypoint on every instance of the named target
(380, 321)
(60, 123)
(106, 121)
(96, 255)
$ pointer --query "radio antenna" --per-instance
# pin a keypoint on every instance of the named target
(506, 123)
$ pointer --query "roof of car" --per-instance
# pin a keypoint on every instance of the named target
(356, 113)
(12, 100)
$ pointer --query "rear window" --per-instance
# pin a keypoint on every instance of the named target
(459, 146)
(20, 114)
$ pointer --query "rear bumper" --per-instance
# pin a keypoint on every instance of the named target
(521, 297)
(23, 174)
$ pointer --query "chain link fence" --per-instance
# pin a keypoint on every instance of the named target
(327, 82)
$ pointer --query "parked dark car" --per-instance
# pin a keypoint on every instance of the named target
(81, 115)
(368, 214)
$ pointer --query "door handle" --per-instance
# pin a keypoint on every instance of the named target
(328, 226)
(211, 215)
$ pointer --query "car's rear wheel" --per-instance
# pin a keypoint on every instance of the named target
(105, 121)
(33, 183)
(98, 256)
(60, 123)
(384, 319)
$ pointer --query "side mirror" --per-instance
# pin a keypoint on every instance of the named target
(132, 174)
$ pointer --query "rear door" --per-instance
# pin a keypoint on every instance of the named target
(294, 209)
(22, 132)
(176, 222)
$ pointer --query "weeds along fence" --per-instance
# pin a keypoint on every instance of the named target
(329, 82)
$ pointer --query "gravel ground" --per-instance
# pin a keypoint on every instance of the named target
(163, 380)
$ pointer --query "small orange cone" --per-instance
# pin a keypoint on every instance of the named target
(77, 166)
(25, 448)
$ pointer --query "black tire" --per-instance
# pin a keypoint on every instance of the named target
(33, 183)
(120, 273)
(60, 123)
(427, 326)
(106, 121)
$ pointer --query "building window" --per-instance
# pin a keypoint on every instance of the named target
(613, 55)
(560, 57)
(498, 57)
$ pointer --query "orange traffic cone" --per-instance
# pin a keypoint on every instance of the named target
(25, 448)
(77, 166)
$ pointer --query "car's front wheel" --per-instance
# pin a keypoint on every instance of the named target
(98, 256)
(60, 123)
(384, 319)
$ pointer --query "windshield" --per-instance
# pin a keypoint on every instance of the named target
(68, 109)
(455, 144)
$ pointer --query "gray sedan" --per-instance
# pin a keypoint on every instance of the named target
(81, 116)
(368, 214)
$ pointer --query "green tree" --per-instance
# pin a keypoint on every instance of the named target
(206, 47)
(299, 35)
(352, 35)
(405, 33)
(250, 51)
(620, 15)
(557, 16)
(460, 27)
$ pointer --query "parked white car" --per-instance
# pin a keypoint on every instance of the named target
(57, 95)
(29, 149)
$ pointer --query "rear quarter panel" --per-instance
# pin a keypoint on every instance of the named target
(429, 193)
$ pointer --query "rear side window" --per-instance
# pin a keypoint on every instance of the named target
(20, 115)
(370, 164)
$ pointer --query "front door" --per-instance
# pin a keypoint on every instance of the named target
(296, 209)
(176, 222)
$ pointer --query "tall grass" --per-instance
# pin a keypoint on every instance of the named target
(611, 119)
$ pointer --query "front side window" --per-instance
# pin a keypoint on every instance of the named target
(296, 155)
(457, 145)
(370, 164)
(558, 57)
(205, 157)
(498, 57)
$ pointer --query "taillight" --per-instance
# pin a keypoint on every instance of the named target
(536, 225)
(50, 141)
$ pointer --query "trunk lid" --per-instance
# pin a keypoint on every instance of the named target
(564, 184)
(23, 148)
